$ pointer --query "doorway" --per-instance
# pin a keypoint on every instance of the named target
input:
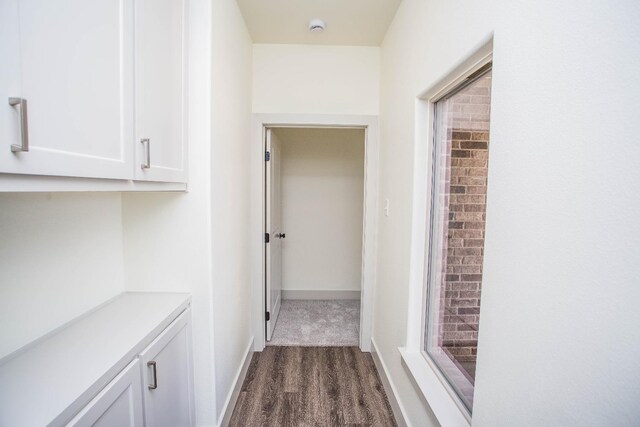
(268, 302)
(314, 193)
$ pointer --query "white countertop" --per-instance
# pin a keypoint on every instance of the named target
(56, 377)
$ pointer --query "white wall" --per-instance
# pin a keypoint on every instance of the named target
(167, 237)
(231, 138)
(167, 249)
(559, 337)
(316, 79)
(322, 201)
(60, 255)
(199, 241)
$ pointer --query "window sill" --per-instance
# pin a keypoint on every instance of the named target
(445, 407)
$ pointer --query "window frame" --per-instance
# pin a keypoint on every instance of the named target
(435, 225)
(442, 398)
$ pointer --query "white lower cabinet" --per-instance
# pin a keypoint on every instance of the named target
(167, 377)
(98, 369)
(154, 390)
(118, 404)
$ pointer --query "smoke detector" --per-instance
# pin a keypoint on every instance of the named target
(317, 25)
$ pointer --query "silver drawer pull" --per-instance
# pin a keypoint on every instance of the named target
(153, 386)
(147, 153)
(21, 103)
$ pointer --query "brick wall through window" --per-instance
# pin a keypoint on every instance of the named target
(463, 200)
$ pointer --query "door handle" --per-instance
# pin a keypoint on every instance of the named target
(21, 104)
(147, 153)
(281, 236)
(152, 364)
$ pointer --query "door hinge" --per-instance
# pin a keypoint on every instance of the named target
(266, 237)
(267, 316)
(267, 156)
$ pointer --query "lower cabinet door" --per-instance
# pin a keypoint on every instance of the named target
(167, 376)
(118, 404)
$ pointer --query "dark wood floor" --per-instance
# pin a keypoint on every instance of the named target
(312, 386)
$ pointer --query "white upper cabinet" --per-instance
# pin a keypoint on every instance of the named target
(72, 62)
(9, 77)
(161, 101)
(93, 89)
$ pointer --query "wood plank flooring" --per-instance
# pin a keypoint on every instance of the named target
(312, 386)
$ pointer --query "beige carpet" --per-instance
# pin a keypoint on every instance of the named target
(321, 323)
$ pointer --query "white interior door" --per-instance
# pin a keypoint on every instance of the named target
(274, 229)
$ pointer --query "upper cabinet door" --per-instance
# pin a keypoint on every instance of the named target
(161, 75)
(74, 62)
(9, 78)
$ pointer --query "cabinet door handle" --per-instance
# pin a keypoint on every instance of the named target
(147, 153)
(152, 364)
(21, 103)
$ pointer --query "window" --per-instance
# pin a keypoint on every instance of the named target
(456, 229)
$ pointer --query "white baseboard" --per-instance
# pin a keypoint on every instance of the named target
(232, 398)
(390, 390)
(328, 294)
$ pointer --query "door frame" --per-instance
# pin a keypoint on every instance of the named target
(370, 212)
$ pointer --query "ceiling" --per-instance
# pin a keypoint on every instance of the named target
(349, 22)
